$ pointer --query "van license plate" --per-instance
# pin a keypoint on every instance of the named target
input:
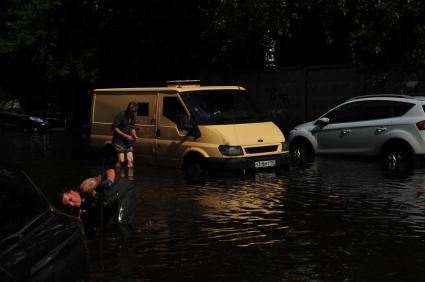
(269, 163)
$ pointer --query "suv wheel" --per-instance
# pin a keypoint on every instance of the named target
(397, 160)
(301, 152)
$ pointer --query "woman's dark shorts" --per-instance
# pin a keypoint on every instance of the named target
(122, 147)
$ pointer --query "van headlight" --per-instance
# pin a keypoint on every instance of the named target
(285, 147)
(230, 150)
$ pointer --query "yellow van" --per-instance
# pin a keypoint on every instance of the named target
(192, 126)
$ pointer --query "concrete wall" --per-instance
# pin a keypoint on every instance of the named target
(295, 95)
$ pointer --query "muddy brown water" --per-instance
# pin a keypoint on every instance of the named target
(333, 220)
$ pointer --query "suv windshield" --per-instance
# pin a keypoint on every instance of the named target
(221, 107)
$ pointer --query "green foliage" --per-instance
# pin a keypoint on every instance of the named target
(388, 33)
(130, 41)
(45, 35)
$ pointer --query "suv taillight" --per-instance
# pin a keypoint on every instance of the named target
(421, 125)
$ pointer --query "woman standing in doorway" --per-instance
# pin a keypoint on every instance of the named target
(124, 134)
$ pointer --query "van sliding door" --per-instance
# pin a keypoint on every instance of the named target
(146, 124)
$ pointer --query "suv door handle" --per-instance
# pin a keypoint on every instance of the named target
(345, 131)
(380, 129)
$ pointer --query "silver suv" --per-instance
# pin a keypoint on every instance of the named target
(392, 126)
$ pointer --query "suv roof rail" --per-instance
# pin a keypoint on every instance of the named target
(382, 95)
(422, 98)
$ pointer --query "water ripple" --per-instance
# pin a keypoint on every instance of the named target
(333, 220)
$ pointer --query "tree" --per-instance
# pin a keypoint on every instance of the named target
(48, 37)
(111, 42)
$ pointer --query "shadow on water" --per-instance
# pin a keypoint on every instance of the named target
(334, 219)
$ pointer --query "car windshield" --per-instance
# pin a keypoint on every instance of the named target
(20, 204)
(26, 106)
(36, 106)
(221, 107)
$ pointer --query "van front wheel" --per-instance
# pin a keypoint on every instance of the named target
(195, 167)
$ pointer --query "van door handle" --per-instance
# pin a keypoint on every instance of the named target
(158, 133)
(380, 130)
(345, 131)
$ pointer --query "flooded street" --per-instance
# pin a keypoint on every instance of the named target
(333, 220)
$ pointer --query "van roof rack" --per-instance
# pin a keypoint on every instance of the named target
(183, 83)
(382, 95)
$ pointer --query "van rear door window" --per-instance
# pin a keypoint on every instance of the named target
(143, 110)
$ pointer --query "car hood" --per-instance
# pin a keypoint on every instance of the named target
(53, 235)
(305, 126)
(46, 114)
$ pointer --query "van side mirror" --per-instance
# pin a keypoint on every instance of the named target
(322, 122)
(183, 122)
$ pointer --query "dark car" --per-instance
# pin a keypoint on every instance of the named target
(37, 242)
(32, 115)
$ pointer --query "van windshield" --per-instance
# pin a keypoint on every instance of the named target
(221, 107)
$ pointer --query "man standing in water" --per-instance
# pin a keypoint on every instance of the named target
(124, 134)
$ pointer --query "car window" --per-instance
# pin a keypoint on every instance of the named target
(16, 106)
(377, 110)
(384, 109)
(20, 203)
(400, 108)
(37, 105)
(8, 105)
(346, 113)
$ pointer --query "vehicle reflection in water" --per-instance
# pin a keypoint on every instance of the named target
(335, 219)
(241, 212)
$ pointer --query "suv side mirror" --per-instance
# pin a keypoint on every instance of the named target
(322, 122)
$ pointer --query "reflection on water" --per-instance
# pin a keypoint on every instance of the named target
(243, 211)
(333, 220)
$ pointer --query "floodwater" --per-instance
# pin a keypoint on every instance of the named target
(333, 220)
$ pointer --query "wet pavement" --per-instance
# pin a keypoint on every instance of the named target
(333, 220)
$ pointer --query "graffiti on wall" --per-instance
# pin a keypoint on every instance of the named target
(278, 98)
(278, 95)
